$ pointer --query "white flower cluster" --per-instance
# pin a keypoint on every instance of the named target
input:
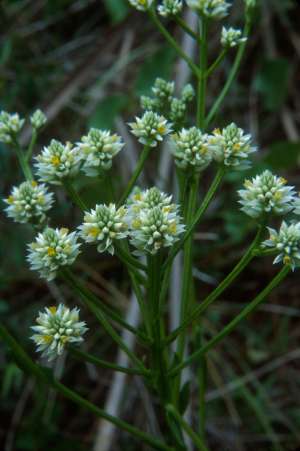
(170, 8)
(266, 194)
(57, 162)
(232, 37)
(38, 119)
(151, 128)
(52, 249)
(104, 225)
(29, 202)
(190, 149)
(231, 146)
(10, 126)
(97, 149)
(287, 243)
(213, 9)
(154, 221)
(56, 328)
(141, 5)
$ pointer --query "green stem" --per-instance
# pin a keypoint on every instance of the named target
(159, 364)
(23, 162)
(201, 210)
(140, 164)
(250, 308)
(26, 363)
(76, 199)
(174, 44)
(216, 63)
(187, 29)
(31, 145)
(201, 97)
(245, 260)
(231, 76)
(86, 357)
(196, 439)
(127, 258)
(87, 296)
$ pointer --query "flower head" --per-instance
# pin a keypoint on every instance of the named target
(163, 90)
(10, 126)
(150, 128)
(190, 149)
(170, 8)
(141, 5)
(214, 9)
(155, 228)
(147, 199)
(287, 243)
(56, 328)
(97, 149)
(232, 37)
(57, 162)
(38, 119)
(231, 146)
(28, 203)
(188, 93)
(104, 225)
(52, 249)
(266, 194)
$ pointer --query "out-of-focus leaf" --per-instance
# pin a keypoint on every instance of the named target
(272, 83)
(283, 155)
(107, 110)
(12, 378)
(117, 9)
(157, 65)
(5, 51)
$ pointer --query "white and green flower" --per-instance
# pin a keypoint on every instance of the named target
(97, 150)
(190, 149)
(286, 242)
(38, 119)
(29, 202)
(213, 9)
(231, 146)
(51, 250)
(151, 128)
(57, 162)
(170, 8)
(231, 37)
(56, 328)
(10, 126)
(104, 225)
(141, 5)
(266, 194)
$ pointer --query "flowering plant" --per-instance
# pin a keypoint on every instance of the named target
(147, 228)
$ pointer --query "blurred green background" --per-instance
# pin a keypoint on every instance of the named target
(85, 63)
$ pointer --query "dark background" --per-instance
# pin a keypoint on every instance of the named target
(85, 63)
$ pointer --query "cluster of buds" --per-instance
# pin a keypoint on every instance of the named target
(232, 37)
(52, 249)
(231, 146)
(97, 149)
(104, 225)
(164, 102)
(38, 119)
(213, 9)
(154, 221)
(151, 128)
(190, 149)
(266, 194)
(56, 328)
(141, 5)
(57, 162)
(286, 243)
(10, 126)
(28, 203)
(170, 8)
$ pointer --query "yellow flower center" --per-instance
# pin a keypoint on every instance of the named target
(94, 231)
(136, 223)
(47, 339)
(55, 160)
(34, 184)
(283, 180)
(217, 131)
(142, 2)
(287, 260)
(278, 195)
(51, 251)
(53, 309)
(10, 199)
(161, 129)
(173, 228)
(236, 147)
